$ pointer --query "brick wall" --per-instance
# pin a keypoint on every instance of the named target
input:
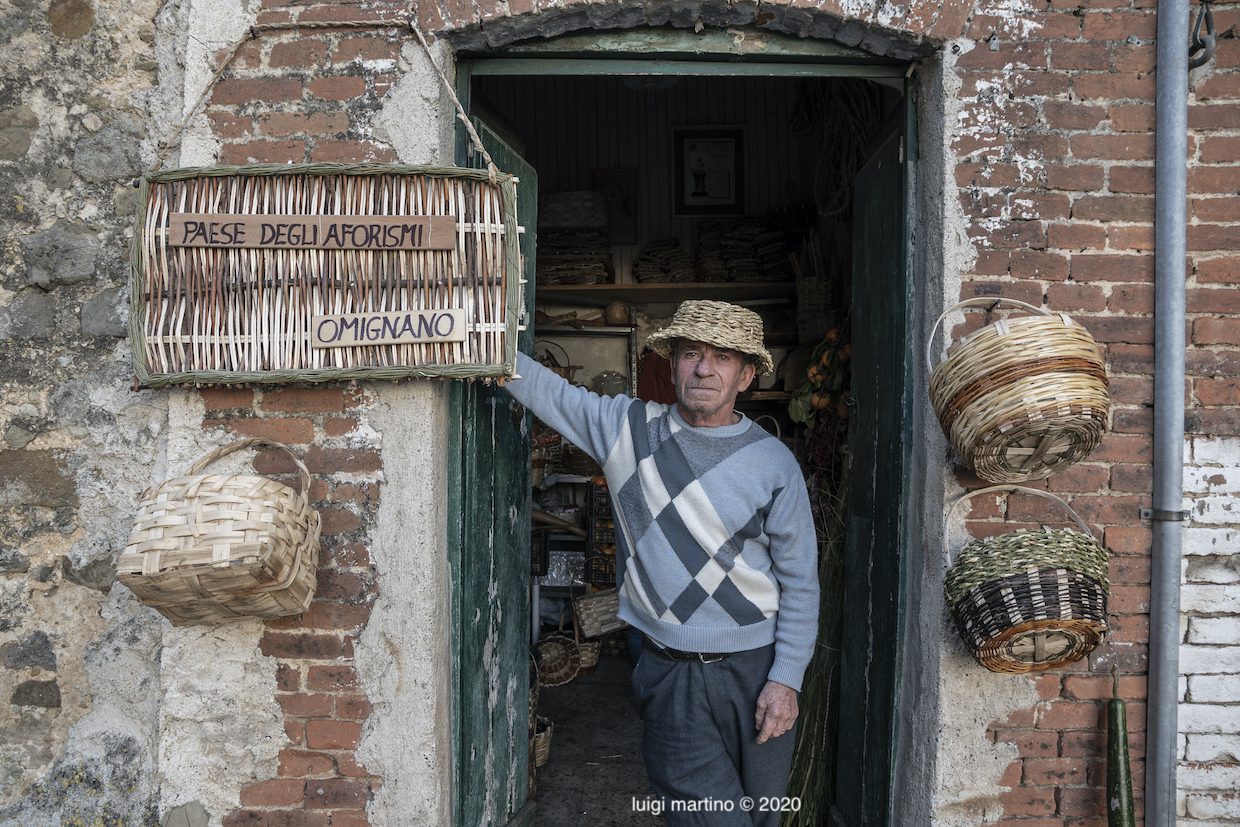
(308, 94)
(1209, 774)
(295, 96)
(1056, 176)
(1054, 148)
(319, 780)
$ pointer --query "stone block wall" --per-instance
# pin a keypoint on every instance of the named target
(79, 682)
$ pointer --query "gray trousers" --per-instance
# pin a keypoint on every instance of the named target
(699, 740)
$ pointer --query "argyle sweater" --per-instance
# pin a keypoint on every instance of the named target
(716, 549)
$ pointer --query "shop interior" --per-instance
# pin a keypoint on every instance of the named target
(654, 189)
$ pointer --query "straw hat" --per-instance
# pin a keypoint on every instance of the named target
(715, 323)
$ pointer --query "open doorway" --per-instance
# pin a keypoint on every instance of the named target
(659, 187)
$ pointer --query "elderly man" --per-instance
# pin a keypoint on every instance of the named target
(717, 564)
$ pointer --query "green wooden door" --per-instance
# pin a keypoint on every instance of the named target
(490, 551)
(878, 445)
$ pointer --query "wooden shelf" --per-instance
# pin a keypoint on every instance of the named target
(598, 295)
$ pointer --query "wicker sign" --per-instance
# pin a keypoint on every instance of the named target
(315, 272)
(413, 232)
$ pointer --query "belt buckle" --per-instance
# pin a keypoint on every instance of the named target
(715, 658)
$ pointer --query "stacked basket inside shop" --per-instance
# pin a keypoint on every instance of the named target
(1020, 399)
(573, 244)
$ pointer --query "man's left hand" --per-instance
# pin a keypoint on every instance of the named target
(777, 711)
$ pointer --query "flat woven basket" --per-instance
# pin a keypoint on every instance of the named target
(1022, 397)
(218, 548)
(1029, 601)
(596, 612)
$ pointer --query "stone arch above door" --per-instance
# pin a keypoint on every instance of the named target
(880, 27)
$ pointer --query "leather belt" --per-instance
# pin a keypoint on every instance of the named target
(675, 654)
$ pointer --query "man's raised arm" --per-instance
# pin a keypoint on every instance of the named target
(589, 421)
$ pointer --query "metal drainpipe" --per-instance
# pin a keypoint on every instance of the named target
(1171, 185)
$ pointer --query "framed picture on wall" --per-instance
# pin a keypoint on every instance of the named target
(710, 175)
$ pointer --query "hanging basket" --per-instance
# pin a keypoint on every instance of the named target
(1023, 397)
(1030, 600)
(217, 548)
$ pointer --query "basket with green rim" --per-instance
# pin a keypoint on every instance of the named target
(1032, 599)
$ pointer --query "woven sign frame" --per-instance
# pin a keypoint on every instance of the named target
(221, 306)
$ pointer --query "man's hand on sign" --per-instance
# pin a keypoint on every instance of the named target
(777, 711)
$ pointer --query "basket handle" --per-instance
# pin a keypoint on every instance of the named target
(551, 356)
(1046, 495)
(249, 442)
(979, 301)
(779, 434)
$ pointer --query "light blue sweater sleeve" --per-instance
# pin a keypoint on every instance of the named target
(794, 561)
(589, 421)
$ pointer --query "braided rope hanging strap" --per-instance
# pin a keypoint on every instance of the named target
(166, 146)
(474, 138)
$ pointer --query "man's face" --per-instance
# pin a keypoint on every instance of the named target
(708, 380)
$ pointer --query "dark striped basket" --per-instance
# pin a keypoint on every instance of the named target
(1029, 601)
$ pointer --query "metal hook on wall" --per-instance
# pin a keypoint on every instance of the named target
(1201, 47)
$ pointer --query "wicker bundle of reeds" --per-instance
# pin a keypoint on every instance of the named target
(235, 314)
(217, 548)
(1029, 601)
(1023, 397)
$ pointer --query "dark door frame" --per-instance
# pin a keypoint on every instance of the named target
(644, 52)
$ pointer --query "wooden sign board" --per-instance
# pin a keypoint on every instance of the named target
(351, 329)
(320, 232)
(314, 272)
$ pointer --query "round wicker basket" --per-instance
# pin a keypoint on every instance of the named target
(559, 660)
(1029, 601)
(1022, 397)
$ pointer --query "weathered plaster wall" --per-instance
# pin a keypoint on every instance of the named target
(403, 656)
(219, 728)
(1209, 771)
(404, 653)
